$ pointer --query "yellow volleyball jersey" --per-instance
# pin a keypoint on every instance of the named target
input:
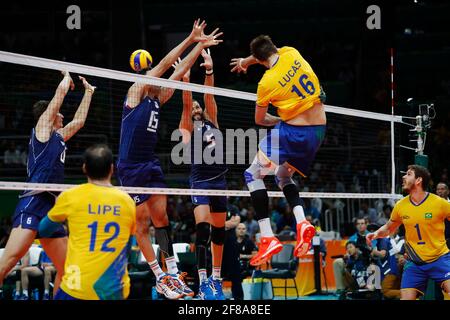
(424, 225)
(290, 85)
(100, 220)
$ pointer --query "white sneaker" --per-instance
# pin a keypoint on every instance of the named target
(166, 287)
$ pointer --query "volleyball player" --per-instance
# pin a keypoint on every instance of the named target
(423, 214)
(209, 211)
(138, 166)
(46, 155)
(291, 86)
(101, 220)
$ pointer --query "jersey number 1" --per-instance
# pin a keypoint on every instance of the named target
(419, 235)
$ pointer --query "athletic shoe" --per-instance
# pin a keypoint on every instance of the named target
(16, 295)
(166, 287)
(205, 292)
(46, 296)
(216, 286)
(267, 248)
(305, 233)
(23, 297)
(178, 280)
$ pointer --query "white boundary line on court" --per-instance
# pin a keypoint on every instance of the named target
(8, 185)
(132, 77)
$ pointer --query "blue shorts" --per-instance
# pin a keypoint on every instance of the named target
(217, 203)
(144, 174)
(62, 295)
(32, 209)
(296, 145)
(416, 276)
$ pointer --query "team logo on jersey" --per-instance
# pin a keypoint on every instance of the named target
(405, 217)
(428, 215)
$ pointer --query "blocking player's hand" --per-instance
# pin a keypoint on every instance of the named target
(86, 84)
(236, 64)
(197, 34)
(211, 39)
(66, 74)
(187, 74)
(208, 63)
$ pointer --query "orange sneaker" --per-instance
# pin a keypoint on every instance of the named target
(267, 248)
(305, 233)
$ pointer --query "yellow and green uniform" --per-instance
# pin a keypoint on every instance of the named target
(100, 221)
(290, 85)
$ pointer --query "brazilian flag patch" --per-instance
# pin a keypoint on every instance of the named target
(428, 215)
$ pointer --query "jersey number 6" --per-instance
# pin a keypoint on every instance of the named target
(307, 86)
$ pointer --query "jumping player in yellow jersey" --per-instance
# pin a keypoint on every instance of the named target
(292, 87)
(101, 219)
(423, 214)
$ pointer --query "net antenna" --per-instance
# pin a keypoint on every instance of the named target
(422, 124)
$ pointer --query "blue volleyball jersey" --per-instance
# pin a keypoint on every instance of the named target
(203, 171)
(138, 135)
(46, 159)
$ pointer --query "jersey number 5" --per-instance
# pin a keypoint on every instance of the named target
(111, 227)
(153, 122)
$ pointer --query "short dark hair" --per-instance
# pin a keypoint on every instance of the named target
(421, 172)
(262, 47)
(349, 243)
(97, 161)
(39, 108)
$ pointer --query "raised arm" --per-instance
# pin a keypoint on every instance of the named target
(44, 125)
(195, 36)
(188, 61)
(186, 126)
(137, 90)
(80, 116)
(210, 102)
(241, 64)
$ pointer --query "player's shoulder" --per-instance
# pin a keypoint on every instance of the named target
(403, 201)
(286, 49)
(122, 195)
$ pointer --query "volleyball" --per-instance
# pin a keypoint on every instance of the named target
(140, 60)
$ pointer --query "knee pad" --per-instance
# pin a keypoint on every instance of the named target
(203, 232)
(283, 177)
(218, 235)
(253, 177)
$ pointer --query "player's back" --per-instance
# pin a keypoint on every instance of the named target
(290, 85)
(138, 135)
(424, 226)
(101, 220)
(46, 159)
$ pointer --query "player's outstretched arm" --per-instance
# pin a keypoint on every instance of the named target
(210, 102)
(80, 116)
(383, 231)
(195, 36)
(137, 90)
(241, 64)
(187, 62)
(44, 125)
(185, 125)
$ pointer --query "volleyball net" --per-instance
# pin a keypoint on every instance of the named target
(356, 160)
